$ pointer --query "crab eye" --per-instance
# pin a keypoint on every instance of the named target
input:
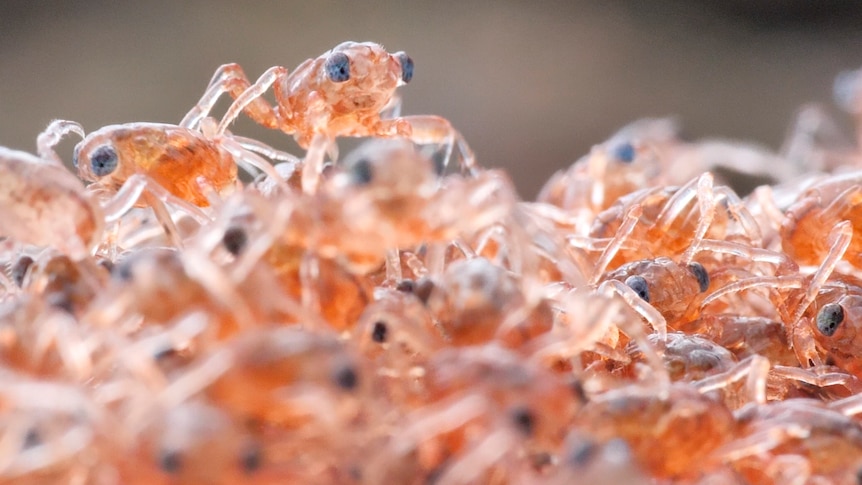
(378, 333)
(639, 285)
(170, 461)
(103, 160)
(234, 240)
(251, 459)
(524, 420)
(624, 152)
(32, 438)
(338, 67)
(423, 289)
(406, 286)
(360, 172)
(406, 66)
(701, 275)
(829, 317)
(19, 269)
(346, 378)
(583, 452)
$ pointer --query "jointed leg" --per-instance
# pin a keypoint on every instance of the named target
(768, 283)
(706, 204)
(164, 217)
(156, 196)
(249, 99)
(434, 129)
(51, 136)
(616, 242)
(676, 204)
(393, 266)
(634, 330)
(231, 79)
(754, 370)
(244, 156)
(131, 191)
(263, 149)
(392, 109)
(736, 207)
(312, 165)
(839, 240)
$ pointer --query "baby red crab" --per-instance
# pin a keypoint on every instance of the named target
(63, 283)
(483, 413)
(585, 460)
(834, 316)
(50, 433)
(193, 165)
(805, 439)
(675, 221)
(670, 287)
(745, 336)
(819, 209)
(284, 377)
(191, 443)
(658, 426)
(35, 190)
(628, 161)
(478, 302)
(43, 341)
(109, 156)
(340, 93)
(45, 205)
(797, 294)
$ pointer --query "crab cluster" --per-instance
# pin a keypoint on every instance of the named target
(400, 315)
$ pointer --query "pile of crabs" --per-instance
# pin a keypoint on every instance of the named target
(397, 315)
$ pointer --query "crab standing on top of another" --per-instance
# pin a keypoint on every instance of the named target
(340, 93)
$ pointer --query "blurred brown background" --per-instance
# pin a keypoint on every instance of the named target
(532, 87)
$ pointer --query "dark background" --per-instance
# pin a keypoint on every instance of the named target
(531, 87)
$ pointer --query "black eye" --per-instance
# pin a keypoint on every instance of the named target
(582, 453)
(624, 152)
(424, 287)
(639, 285)
(829, 317)
(346, 378)
(524, 420)
(123, 270)
(234, 240)
(32, 438)
(251, 459)
(103, 160)
(19, 270)
(170, 461)
(406, 286)
(378, 333)
(164, 353)
(360, 172)
(406, 66)
(702, 276)
(338, 67)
